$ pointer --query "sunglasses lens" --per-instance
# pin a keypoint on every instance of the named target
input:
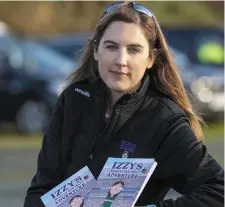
(143, 9)
(112, 7)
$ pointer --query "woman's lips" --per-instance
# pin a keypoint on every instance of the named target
(118, 73)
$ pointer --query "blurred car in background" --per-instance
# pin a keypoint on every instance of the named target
(31, 77)
(203, 46)
(205, 84)
(68, 45)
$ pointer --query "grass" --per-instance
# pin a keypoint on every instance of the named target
(15, 141)
(213, 132)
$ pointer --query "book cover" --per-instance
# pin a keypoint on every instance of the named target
(120, 182)
(72, 192)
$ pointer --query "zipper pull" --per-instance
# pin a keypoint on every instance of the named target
(91, 156)
(125, 154)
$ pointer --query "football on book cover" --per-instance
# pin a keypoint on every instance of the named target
(72, 192)
(120, 182)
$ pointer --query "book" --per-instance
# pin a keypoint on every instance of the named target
(120, 182)
(72, 192)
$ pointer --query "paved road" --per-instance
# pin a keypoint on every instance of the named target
(18, 166)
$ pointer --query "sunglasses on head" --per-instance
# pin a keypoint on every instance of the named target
(138, 7)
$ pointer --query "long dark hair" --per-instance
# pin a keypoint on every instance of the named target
(116, 183)
(163, 74)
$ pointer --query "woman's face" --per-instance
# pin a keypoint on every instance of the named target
(116, 189)
(77, 201)
(123, 56)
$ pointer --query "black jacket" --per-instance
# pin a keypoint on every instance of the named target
(152, 123)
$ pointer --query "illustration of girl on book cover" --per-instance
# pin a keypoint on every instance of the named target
(77, 201)
(114, 191)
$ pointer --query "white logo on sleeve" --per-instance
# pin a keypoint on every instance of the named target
(85, 93)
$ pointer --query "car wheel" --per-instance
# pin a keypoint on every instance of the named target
(32, 117)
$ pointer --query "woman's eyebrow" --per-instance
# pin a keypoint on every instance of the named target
(135, 45)
(111, 42)
(115, 43)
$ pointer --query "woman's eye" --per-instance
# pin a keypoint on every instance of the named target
(133, 50)
(112, 47)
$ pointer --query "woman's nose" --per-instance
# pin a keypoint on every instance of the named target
(121, 58)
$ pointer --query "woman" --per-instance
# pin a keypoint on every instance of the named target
(127, 96)
(77, 201)
(114, 191)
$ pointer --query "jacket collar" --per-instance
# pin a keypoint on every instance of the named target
(139, 94)
(126, 98)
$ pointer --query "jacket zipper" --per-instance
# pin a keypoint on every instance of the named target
(91, 156)
(106, 127)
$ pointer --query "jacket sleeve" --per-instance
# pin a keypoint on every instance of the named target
(194, 173)
(48, 173)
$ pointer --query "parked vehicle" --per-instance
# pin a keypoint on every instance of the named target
(68, 45)
(205, 84)
(31, 77)
(203, 46)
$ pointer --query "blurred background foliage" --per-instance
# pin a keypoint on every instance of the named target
(49, 17)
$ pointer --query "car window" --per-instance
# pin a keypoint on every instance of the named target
(69, 51)
(42, 60)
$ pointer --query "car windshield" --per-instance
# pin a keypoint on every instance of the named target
(43, 60)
